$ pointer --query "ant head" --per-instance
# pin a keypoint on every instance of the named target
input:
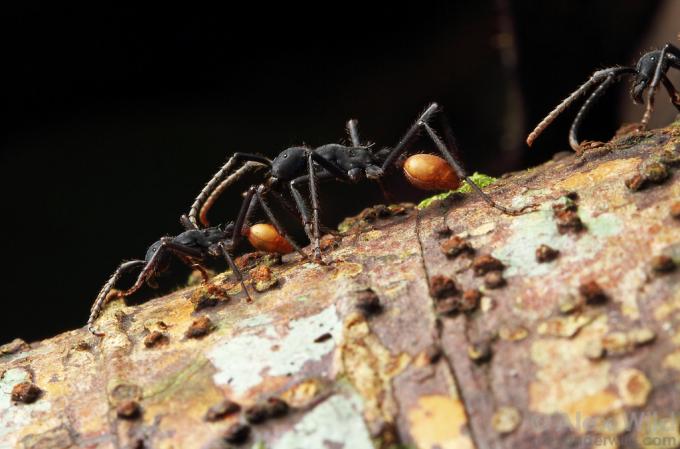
(645, 69)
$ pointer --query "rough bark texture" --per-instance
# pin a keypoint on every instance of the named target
(581, 349)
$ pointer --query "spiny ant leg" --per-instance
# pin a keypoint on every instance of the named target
(315, 206)
(246, 209)
(672, 93)
(288, 207)
(104, 292)
(217, 179)
(332, 171)
(576, 124)
(259, 193)
(234, 269)
(461, 172)
(651, 92)
(596, 78)
(224, 185)
(301, 205)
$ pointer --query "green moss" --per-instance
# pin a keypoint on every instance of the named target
(478, 178)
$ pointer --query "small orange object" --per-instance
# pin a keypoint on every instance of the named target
(265, 237)
(430, 172)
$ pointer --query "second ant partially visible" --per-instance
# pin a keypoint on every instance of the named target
(649, 71)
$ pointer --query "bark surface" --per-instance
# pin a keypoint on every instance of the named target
(439, 327)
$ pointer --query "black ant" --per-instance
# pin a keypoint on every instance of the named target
(300, 165)
(650, 69)
(194, 247)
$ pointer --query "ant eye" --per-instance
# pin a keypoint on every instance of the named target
(285, 155)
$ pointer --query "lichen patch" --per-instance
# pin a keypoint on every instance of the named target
(242, 360)
(438, 421)
(15, 417)
(615, 169)
(336, 422)
(370, 368)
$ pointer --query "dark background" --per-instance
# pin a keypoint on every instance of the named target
(115, 117)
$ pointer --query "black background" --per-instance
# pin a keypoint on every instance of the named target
(116, 116)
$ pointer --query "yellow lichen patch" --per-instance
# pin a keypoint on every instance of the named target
(655, 432)
(304, 393)
(348, 269)
(370, 367)
(566, 326)
(506, 420)
(437, 421)
(188, 402)
(634, 387)
(613, 169)
(371, 235)
(567, 382)
(672, 360)
(616, 343)
(513, 333)
(592, 407)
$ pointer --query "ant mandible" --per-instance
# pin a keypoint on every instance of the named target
(299, 165)
(650, 69)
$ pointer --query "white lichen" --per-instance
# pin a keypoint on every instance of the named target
(242, 360)
(337, 422)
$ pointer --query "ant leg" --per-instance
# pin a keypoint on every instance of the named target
(461, 172)
(260, 195)
(649, 106)
(217, 179)
(224, 185)
(669, 54)
(196, 266)
(334, 170)
(311, 225)
(353, 131)
(315, 206)
(242, 218)
(672, 92)
(104, 292)
(598, 92)
(410, 135)
(593, 80)
(288, 207)
(234, 268)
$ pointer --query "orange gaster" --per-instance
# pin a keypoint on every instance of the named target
(430, 172)
(265, 237)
